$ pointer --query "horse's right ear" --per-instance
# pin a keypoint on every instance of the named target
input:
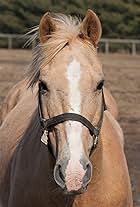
(46, 27)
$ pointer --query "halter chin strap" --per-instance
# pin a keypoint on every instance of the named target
(48, 124)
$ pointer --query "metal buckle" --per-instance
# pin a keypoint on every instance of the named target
(95, 141)
(44, 137)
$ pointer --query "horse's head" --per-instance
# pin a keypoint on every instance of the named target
(71, 81)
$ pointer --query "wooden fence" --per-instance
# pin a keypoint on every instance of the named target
(133, 43)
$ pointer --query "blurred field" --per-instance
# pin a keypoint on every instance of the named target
(122, 78)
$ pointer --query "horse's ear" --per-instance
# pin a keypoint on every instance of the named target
(46, 27)
(91, 27)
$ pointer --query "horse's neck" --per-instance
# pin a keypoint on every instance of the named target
(96, 160)
(110, 145)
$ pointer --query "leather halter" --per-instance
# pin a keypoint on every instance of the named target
(49, 124)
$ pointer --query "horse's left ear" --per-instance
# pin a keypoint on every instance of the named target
(91, 27)
(46, 27)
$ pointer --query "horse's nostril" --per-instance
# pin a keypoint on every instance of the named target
(87, 165)
(60, 172)
(58, 176)
(88, 174)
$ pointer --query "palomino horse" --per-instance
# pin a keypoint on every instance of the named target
(80, 161)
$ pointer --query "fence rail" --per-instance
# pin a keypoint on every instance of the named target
(107, 42)
(132, 42)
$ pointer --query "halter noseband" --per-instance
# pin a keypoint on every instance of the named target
(48, 124)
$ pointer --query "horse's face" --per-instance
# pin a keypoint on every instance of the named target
(72, 82)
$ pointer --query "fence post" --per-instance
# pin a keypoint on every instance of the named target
(9, 42)
(133, 48)
(106, 47)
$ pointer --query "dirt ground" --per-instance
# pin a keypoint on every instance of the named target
(122, 74)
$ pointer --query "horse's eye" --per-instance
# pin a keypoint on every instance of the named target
(43, 87)
(100, 85)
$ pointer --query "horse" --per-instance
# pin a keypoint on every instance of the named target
(60, 146)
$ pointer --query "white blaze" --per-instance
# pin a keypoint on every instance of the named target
(74, 170)
(74, 128)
